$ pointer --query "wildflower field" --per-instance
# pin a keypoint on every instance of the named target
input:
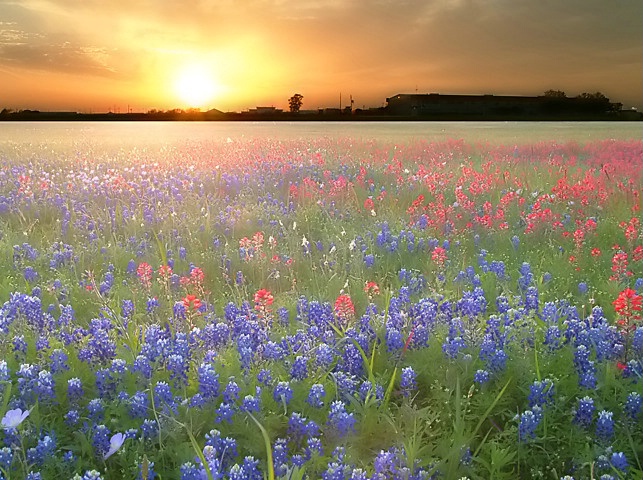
(334, 309)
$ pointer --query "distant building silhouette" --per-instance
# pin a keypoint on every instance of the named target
(495, 106)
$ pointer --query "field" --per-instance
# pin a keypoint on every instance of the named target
(335, 309)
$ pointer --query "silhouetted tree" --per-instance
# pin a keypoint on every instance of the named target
(593, 102)
(295, 102)
(555, 94)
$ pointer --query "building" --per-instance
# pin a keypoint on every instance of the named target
(493, 106)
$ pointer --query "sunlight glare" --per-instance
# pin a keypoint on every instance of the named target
(195, 86)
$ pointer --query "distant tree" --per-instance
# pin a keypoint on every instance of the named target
(593, 102)
(555, 94)
(597, 97)
(295, 102)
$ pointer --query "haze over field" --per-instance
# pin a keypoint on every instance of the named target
(234, 55)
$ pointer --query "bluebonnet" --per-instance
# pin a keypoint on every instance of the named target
(584, 367)
(44, 449)
(19, 344)
(605, 426)
(336, 471)
(324, 355)
(531, 298)
(584, 413)
(299, 370)
(314, 447)
(340, 420)
(96, 410)
(394, 339)
(502, 304)
(224, 413)
(366, 390)
(283, 393)
(149, 429)
(139, 405)
(101, 440)
(528, 422)
(225, 447)
(58, 359)
(481, 377)
(142, 365)
(178, 366)
(6, 457)
(454, 342)
(264, 376)
(163, 397)
(127, 308)
(619, 461)
(316, 395)
(72, 417)
(31, 275)
(251, 403)
(633, 404)
(208, 381)
(541, 393)
(526, 277)
(553, 337)
(231, 392)
(407, 381)
(346, 384)
(152, 304)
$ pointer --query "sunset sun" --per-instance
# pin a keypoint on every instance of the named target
(195, 86)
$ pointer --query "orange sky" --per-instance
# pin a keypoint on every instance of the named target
(101, 55)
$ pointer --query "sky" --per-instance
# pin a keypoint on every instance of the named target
(115, 55)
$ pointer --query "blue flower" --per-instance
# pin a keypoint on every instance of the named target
(340, 420)
(528, 422)
(407, 381)
(481, 377)
(315, 395)
(583, 415)
(6, 457)
(299, 370)
(283, 393)
(541, 393)
(633, 405)
(605, 426)
(619, 461)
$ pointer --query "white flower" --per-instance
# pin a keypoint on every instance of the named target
(115, 443)
(15, 417)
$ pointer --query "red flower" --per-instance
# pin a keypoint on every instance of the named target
(628, 306)
(144, 272)
(197, 276)
(369, 204)
(439, 256)
(165, 271)
(344, 307)
(371, 288)
(191, 301)
(263, 299)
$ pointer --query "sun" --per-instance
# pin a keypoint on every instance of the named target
(195, 86)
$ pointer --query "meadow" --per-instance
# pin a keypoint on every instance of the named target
(333, 308)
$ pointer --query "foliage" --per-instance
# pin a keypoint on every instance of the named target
(330, 309)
